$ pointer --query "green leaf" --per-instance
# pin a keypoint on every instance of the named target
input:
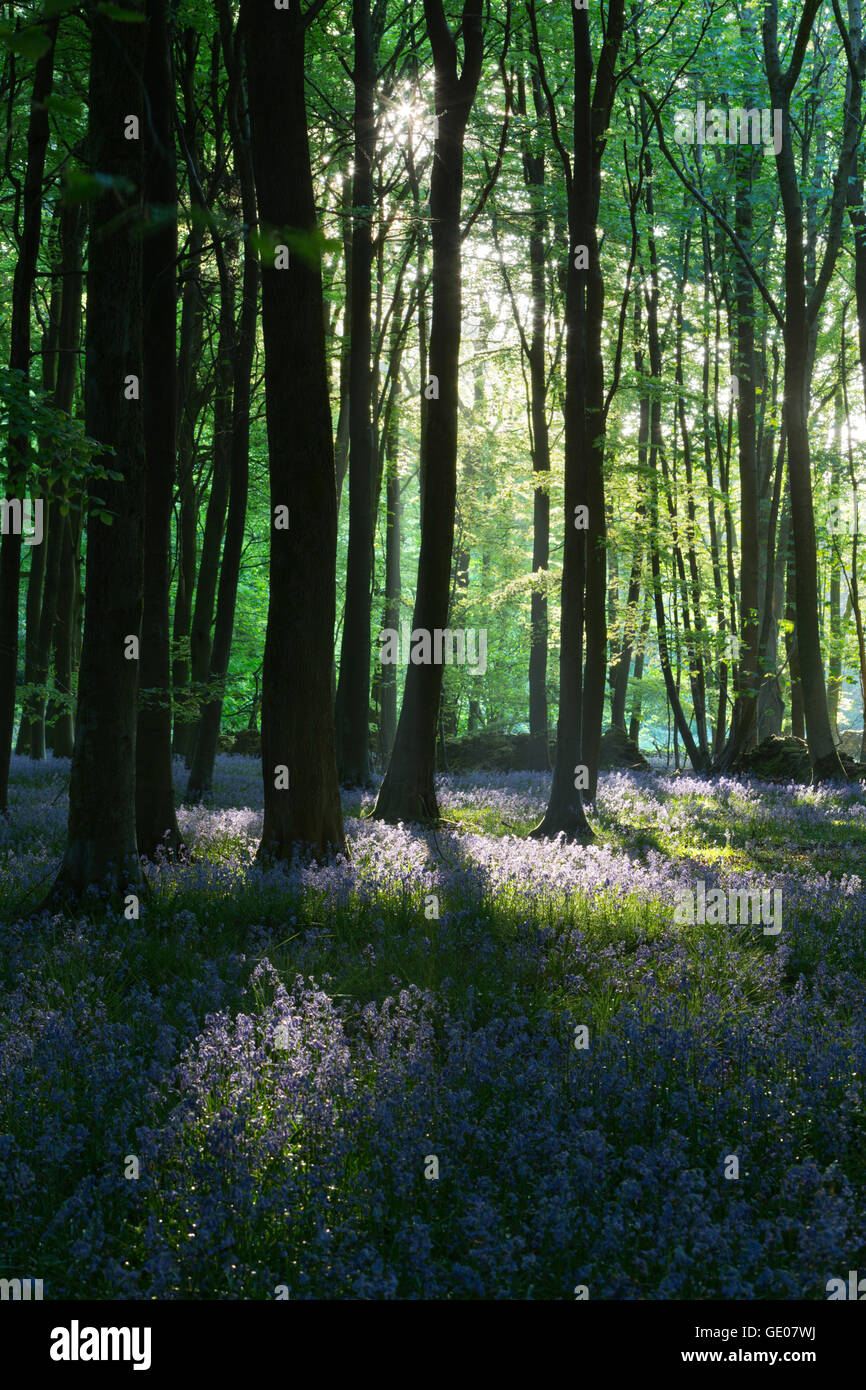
(28, 43)
(53, 7)
(121, 15)
(309, 245)
(64, 106)
(81, 187)
(156, 217)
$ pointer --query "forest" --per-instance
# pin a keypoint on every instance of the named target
(432, 651)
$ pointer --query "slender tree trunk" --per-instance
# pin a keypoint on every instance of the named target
(710, 431)
(836, 633)
(156, 821)
(619, 688)
(66, 632)
(341, 458)
(771, 706)
(201, 774)
(352, 710)
(41, 582)
(102, 845)
(825, 758)
(19, 360)
(190, 400)
(581, 684)
(408, 792)
(798, 720)
(745, 704)
(696, 757)
(299, 766)
(619, 684)
(393, 519)
(215, 516)
(534, 179)
(691, 590)
(55, 624)
(634, 721)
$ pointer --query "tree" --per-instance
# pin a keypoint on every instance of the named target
(798, 316)
(204, 754)
(299, 767)
(407, 791)
(156, 821)
(19, 360)
(353, 687)
(102, 847)
(581, 684)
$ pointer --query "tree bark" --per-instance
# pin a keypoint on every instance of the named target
(190, 400)
(42, 580)
(101, 846)
(19, 360)
(215, 516)
(352, 710)
(393, 519)
(408, 792)
(745, 703)
(299, 766)
(825, 758)
(201, 773)
(581, 684)
(156, 820)
(534, 180)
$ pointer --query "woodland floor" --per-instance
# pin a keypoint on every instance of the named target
(284, 1052)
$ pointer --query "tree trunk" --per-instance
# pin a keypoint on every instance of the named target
(581, 685)
(393, 518)
(825, 758)
(534, 179)
(715, 557)
(634, 720)
(619, 681)
(156, 821)
(408, 792)
(190, 400)
(352, 710)
(201, 773)
(41, 582)
(66, 632)
(215, 516)
(745, 704)
(19, 360)
(55, 625)
(102, 846)
(299, 766)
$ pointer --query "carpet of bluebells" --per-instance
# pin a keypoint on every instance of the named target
(283, 1052)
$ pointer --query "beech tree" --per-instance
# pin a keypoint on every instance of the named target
(407, 791)
(102, 846)
(299, 766)
(581, 680)
(19, 360)
(154, 785)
